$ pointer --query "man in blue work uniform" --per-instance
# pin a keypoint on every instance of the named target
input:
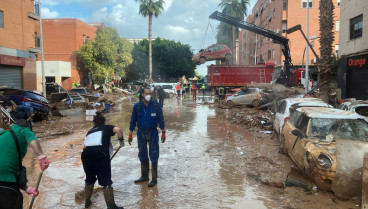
(147, 115)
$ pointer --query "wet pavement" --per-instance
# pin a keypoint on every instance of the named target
(206, 162)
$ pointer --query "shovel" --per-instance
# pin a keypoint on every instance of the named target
(36, 189)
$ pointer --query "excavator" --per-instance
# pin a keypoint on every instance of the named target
(284, 77)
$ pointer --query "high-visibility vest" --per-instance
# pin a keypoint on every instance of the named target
(221, 91)
(203, 87)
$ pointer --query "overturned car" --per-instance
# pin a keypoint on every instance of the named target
(328, 145)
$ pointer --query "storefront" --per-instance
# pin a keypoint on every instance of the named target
(353, 76)
(11, 71)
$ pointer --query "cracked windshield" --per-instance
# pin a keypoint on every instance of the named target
(165, 104)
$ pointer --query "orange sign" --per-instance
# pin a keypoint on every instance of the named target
(10, 60)
(357, 62)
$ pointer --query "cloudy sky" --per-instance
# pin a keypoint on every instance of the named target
(183, 20)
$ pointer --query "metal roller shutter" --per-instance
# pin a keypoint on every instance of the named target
(11, 76)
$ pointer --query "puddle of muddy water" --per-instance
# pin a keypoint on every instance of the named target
(203, 163)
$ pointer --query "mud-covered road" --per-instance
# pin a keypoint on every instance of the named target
(209, 160)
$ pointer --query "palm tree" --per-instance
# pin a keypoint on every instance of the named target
(326, 25)
(150, 8)
(238, 9)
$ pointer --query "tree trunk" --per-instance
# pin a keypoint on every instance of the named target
(234, 45)
(150, 47)
(326, 22)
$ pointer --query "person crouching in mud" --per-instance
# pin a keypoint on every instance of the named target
(96, 159)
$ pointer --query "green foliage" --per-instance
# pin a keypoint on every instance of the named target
(150, 7)
(170, 60)
(107, 54)
(224, 34)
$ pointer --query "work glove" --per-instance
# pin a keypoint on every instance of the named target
(121, 142)
(44, 162)
(163, 136)
(130, 138)
(31, 190)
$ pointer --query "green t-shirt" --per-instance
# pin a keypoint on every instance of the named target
(9, 161)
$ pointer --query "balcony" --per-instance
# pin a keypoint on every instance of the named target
(36, 49)
(36, 14)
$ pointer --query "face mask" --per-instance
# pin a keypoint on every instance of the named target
(147, 98)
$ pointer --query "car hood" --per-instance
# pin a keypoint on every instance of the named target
(196, 57)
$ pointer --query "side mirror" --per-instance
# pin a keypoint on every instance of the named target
(298, 133)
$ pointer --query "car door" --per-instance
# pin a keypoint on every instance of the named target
(296, 146)
(237, 97)
(211, 53)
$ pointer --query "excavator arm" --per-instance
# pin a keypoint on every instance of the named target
(276, 38)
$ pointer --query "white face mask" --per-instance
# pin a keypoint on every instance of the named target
(147, 98)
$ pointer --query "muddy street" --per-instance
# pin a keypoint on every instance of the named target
(209, 160)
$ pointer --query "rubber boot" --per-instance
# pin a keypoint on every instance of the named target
(154, 175)
(144, 173)
(88, 190)
(109, 198)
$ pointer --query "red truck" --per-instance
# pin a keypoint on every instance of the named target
(237, 76)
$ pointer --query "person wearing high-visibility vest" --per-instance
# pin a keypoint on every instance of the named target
(221, 92)
(73, 84)
(203, 87)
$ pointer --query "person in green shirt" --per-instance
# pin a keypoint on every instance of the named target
(10, 195)
(73, 84)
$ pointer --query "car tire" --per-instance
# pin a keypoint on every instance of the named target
(202, 60)
(282, 148)
(228, 57)
(230, 103)
(256, 103)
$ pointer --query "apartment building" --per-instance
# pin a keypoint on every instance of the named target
(353, 52)
(62, 38)
(277, 16)
(18, 44)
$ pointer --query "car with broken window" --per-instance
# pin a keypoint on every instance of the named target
(213, 52)
(312, 137)
(283, 110)
(358, 106)
(247, 96)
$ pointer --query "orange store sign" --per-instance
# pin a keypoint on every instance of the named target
(357, 62)
(10, 60)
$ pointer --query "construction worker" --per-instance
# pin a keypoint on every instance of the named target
(221, 92)
(10, 195)
(78, 84)
(147, 115)
(73, 84)
(96, 159)
(203, 87)
(178, 89)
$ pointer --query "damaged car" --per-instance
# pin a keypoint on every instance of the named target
(358, 106)
(310, 137)
(247, 96)
(213, 52)
(283, 110)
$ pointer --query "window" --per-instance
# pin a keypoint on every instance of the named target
(304, 3)
(269, 54)
(1, 19)
(273, 54)
(338, 3)
(284, 5)
(356, 27)
(284, 26)
(337, 25)
(84, 39)
(88, 39)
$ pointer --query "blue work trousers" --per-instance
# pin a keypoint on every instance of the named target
(150, 138)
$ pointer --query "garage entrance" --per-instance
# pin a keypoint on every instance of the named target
(11, 76)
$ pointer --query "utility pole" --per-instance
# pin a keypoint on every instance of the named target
(307, 54)
(42, 54)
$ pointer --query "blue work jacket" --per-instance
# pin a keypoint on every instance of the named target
(149, 116)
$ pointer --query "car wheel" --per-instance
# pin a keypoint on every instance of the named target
(256, 103)
(202, 60)
(230, 103)
(282, 148)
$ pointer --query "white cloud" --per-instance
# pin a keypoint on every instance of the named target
(46, 13)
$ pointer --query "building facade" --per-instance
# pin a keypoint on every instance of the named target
(18, 44)
(277, 16)
(353, 53)
(62, 38)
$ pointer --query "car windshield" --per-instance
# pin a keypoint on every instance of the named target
(167, 86)
(362, 110)
(36, 97)
(80, 91)
(351, 129)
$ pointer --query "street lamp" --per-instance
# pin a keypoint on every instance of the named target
(311, 45)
